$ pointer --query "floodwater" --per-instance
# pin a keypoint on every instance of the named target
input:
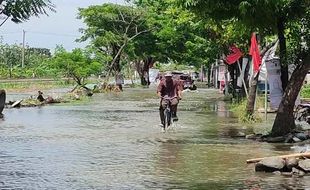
(113, 141)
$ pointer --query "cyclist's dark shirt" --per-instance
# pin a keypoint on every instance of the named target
(168, 88)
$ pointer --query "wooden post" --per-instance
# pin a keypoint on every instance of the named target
(297, 155)
(216, 74)
(266, 96)
(23, 49)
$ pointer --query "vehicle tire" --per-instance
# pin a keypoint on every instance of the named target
(194, 87)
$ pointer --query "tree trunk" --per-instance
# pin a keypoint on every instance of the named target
(285, 122)
(143, 70)
(116, 67)
(143, 80)
(252, 95)
(145, 73)
(202, 73)
(233, 82)
(209, 76)
(283, 60)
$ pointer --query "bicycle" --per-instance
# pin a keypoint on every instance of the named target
(168, 121)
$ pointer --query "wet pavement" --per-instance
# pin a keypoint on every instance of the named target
(113, 141)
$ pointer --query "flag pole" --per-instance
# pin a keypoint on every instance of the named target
(266, 89)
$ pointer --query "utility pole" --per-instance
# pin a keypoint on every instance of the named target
(23, 49)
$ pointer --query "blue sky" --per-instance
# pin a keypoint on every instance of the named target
(60, 28)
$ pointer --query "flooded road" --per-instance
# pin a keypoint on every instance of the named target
(113, 141)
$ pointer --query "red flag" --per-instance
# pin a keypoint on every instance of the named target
(234, 56)
(254, 52)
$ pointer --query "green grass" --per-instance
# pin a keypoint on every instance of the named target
(239, 110)
(305, 91)
(34, 85)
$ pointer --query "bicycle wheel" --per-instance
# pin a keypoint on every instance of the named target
(167, 118)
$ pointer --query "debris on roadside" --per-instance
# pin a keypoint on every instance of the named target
(289, 165)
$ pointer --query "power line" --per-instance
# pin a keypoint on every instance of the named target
(41, 33)
(53, 34)
(9, 33)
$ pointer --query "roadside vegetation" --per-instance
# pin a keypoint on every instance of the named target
(239, 110)
(305, 92)
(24, 85)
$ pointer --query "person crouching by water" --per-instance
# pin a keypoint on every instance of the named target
(40, 96)
(47, 100)
(169, 91)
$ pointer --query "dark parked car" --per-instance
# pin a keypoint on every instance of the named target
(185, 79)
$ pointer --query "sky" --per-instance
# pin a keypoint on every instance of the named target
(60, 28)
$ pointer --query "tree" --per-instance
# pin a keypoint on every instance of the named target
(300, 54)
(143, 52)
(111, 28)
(284, 122)
(35, 58)
(176, 31)
(76, 64)
(184, 38)
(21, 10)
(270, 17)
(177, 36)
(10, 58)
(267, 17)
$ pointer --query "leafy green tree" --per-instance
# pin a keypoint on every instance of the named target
(171, 29)
(35, 58)
(268, 18)
(182, 37)
(174, 37)
(10, 58)
(111, 28)
(300, 56)
(143, 53)
(21, 10)
(76, 64)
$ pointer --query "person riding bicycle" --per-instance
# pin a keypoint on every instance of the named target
(170, 91)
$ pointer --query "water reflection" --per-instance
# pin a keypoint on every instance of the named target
(113, 141)
(220, 107)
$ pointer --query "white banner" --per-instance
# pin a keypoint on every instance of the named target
(273, 68)
(243, 67)
(222, 71)
(153, 75)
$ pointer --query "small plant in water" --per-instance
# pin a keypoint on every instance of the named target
(239, 110)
